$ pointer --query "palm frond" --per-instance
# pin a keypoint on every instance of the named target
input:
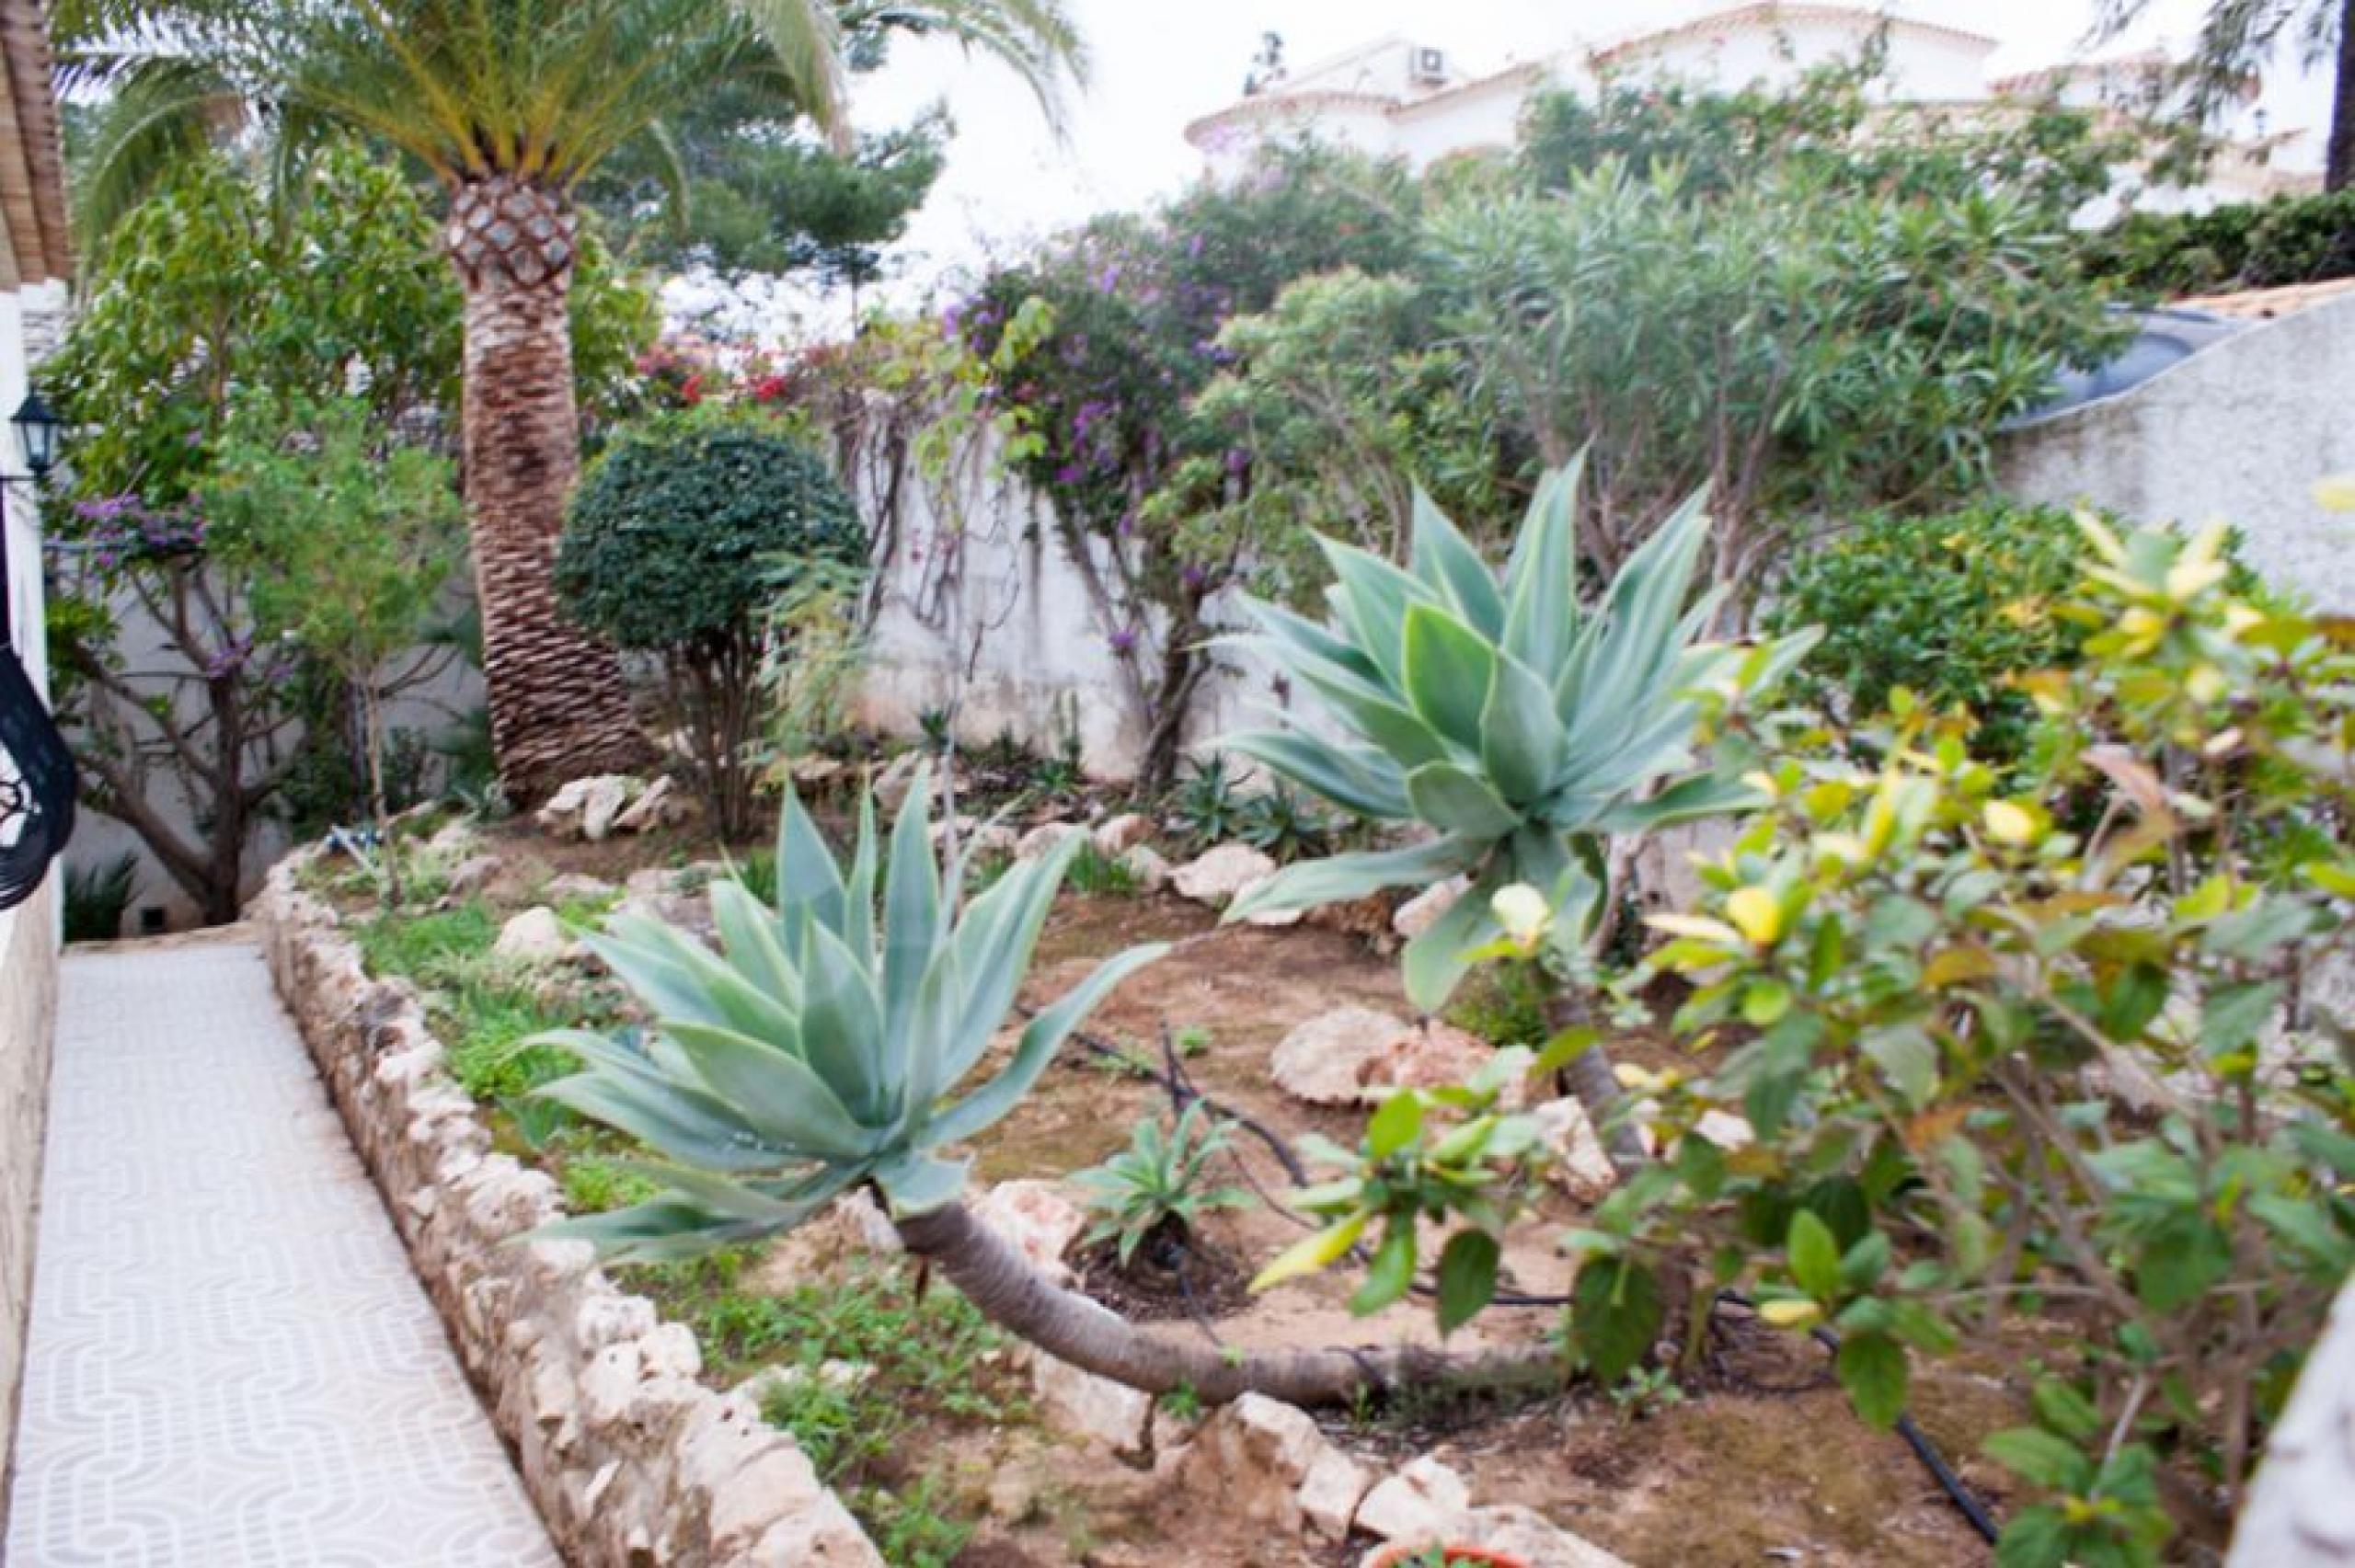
(1036, 39)
(165, 110)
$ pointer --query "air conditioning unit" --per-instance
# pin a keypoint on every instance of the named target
(1429, 67)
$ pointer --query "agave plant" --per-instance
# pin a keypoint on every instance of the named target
(1525, 731)
(1158, 1186)
(822, 1048)
(819, 1048)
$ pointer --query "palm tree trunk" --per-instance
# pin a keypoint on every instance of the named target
(1001, 1283)
(558, 709)
(1590, 1077)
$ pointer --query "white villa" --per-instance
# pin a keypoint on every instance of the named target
(1411, 99)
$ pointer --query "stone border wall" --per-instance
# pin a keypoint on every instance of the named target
(631, 1461)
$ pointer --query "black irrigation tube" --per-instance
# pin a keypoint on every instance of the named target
(1174, 1078)
(1957, 1492)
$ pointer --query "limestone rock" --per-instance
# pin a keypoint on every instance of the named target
(1321, 1061)
(1252, 1456)
(899, 775)
(1528, 1536)
(1038, 1219)
(1581, 1165)
(663, 805)
(1115, 836)
(689, 912)
(1045, 839)
(1420, 913)
(1329, 1493)
(585, 809)
(981, 840)
(1429, 1057)
(1144, 863)
(1216, 877)
(1423, 1505)
(1086, 1405)
(1277, 918)
(650, 881)
(851, 1227)
(815, 775)
(471, 876)
(534, 937)
(574, 887)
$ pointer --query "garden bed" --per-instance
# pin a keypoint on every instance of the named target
(957, 1447)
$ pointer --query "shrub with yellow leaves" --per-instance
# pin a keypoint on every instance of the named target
(2062, 1036)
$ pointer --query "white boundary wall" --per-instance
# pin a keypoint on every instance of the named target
(2239, 431)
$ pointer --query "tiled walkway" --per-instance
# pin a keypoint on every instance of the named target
(231, 1364)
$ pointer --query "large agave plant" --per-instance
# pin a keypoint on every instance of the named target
(1525, 731)
(821, 1047)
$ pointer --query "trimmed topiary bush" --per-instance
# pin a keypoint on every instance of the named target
(681, 538)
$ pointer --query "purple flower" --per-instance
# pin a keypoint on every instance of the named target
(1194, 577)
(1109, 280)
(1069, 473)
(1124, 641)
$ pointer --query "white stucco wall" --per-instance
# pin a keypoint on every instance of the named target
(28, 932)
(1922, 66)
(1014, 643)
(2240, 431)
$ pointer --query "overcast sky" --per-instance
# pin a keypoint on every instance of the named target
(1157, 65)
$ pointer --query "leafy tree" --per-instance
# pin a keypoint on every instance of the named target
(1808, 339)
(2062, 1035)
(1347, 397)
(683, 534)
(511, 108)
(762, 195)
(344, 540)
(2239, 38)
(1095, 349)
(178, 705)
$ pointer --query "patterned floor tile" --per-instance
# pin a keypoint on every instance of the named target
(230, 1363)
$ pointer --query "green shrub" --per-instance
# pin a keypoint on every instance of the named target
(679, 542)
(2255, 244)
(1997, 1054)
(1949, 606)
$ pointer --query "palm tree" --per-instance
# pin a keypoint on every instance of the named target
(510, 104)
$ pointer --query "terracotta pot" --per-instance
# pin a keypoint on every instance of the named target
(1465, 1556)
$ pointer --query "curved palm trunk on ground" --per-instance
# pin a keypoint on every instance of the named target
(1007, 1290)
(558, 707)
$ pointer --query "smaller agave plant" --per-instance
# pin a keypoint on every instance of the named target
(822, 1048)
(1527, 731)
